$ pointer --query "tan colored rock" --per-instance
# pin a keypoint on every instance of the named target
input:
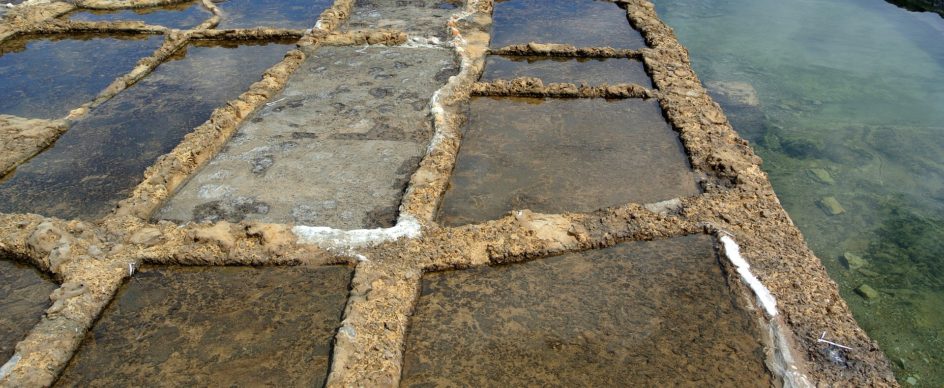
(219, 234)
(146, 236)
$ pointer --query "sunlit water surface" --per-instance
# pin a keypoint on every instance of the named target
(844, 99)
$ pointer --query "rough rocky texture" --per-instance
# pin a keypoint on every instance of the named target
(92, 260)
(534, 87)
(22, 138)
(335, 148)
(564, 50)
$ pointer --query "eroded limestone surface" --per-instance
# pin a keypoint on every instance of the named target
(100, 159)
(336, 148)
(47, 76)
(589, 71)
(421, 18)
(554, 156)
(24, 295)
(582, 23)
(220, 326)
(638, 313)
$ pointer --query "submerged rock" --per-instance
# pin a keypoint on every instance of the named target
(831, 206)
(853, 261)
(820, 175)
(867, 292)
(737, 92)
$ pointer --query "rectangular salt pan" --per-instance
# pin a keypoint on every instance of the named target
(47, 76)
(24, 295)
(180, 16)
(298, 14)
(578, 71)
(653, 313)
(103, 156)
(219, 326)
(420, 18)
(582, 23)
(555, 156)
(336, 148)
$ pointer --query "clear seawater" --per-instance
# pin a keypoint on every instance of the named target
(849, 105)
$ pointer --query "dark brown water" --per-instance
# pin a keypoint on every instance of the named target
(271, 13)
(46, 77)
(24, 295)
(571, 70)
(555, 156)
(582, 23)
(215, 326)
(180, 16)
(102, 157)
(638, 314)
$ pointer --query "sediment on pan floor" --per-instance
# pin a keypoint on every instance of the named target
(582, 23)
(180, 16)
(215, 326)
(24, 295)
(270, 13)
(523, 153)
(368, 351)
(46, 76)
(335, 148)
(588, 71)
(633, 314)
(100, 159)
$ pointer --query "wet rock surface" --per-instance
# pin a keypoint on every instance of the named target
(47, 76)
(181, 16)
(100, 159)
(589, 71)
(533, 154)
(335, 148)
(635, 313)
(24, 295)
(390, 262)
(215, 326)
(582, 23)
(420, 18)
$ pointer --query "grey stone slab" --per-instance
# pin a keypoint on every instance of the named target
(335, 148)
(425, 18)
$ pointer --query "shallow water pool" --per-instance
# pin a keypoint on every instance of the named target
(103, 156)
(844, 100)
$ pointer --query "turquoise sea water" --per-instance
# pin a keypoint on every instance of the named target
(844, 100)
